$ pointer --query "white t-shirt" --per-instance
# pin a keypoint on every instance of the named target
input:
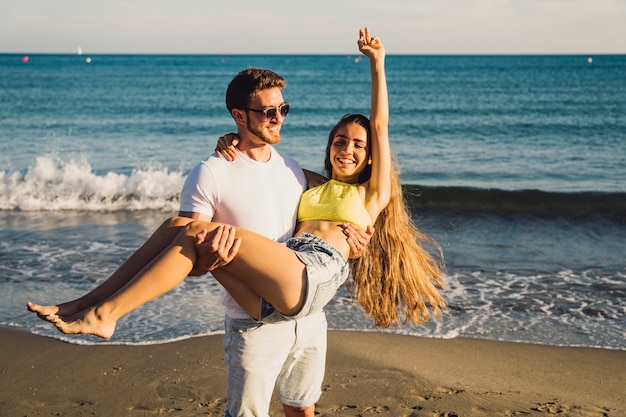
(259, 196)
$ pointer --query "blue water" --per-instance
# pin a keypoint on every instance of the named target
(519, 163)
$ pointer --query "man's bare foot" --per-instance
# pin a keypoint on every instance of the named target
(88, 322)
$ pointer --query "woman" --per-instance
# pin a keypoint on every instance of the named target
(395, 279)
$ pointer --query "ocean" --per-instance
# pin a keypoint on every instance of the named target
(516, 165)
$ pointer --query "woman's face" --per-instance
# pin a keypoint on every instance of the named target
(348, 153)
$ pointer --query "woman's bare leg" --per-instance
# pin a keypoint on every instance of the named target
(241, 293)
(159, 276)
(268, 268)
(159, 240)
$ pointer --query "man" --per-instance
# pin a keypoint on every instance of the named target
(260, 191)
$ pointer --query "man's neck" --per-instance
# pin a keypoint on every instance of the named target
(257, 152)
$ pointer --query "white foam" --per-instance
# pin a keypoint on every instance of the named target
(55, 184)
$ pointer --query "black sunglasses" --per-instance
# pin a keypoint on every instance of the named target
(271, 112)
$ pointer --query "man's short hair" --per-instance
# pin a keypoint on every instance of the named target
(247, 83)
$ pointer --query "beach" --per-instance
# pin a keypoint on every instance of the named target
(367, 373)
(512, 163)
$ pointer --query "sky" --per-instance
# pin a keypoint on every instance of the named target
(313, 26)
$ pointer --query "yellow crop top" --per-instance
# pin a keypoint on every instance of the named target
(335, 201)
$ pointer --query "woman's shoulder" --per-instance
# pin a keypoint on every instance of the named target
(314, 179)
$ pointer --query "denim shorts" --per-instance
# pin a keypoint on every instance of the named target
(326, 271)
(290, 355)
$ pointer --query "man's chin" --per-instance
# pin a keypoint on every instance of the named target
(271, 140)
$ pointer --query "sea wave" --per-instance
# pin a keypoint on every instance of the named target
(586, 205)
(53, 184)
(57, 185)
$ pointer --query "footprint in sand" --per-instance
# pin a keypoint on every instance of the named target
(555, 407)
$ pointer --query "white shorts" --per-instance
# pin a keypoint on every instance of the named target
(290, 354)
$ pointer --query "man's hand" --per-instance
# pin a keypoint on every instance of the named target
(225, 147)
(357, 239)
(216, 248)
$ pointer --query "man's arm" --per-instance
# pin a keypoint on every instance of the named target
(357, 239)
(195, 216)
(197, 203)
(221, 245)
(209, 256)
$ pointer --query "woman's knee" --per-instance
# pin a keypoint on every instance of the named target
(177, 221)
(196, 226)
(170, 228)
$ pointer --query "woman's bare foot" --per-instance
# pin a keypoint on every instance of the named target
(47, 313)
(88, 322)
(50, 313)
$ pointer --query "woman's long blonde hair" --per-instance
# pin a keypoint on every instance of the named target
(399, 277)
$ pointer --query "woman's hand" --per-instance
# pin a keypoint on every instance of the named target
(226, 146)
(370, 46)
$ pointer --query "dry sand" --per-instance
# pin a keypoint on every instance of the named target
(367, 374)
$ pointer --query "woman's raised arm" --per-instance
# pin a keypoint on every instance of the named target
(378, 188)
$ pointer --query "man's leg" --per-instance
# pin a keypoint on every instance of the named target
(254, 355)
(299, 412)
(300, 382)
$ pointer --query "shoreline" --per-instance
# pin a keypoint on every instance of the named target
(220, 333)
(366, 374)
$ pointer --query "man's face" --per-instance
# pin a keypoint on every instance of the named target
(266, 130)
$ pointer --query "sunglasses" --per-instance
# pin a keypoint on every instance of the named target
(272, 112)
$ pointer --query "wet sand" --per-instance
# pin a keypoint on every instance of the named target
(367, 374)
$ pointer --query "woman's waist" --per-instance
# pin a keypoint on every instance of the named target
(331, 232)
